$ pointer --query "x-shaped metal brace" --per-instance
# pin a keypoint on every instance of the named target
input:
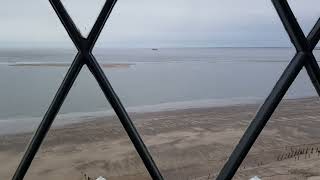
(304, 57)
(85, 57)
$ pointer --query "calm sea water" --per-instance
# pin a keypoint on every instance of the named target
(156, 80)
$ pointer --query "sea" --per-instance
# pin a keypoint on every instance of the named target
(151, 80)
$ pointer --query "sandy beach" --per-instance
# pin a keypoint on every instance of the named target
(185, 144)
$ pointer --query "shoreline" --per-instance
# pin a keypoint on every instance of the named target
(189, 143)
(12, 126)
(23, 125)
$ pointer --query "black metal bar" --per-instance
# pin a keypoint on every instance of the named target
(124, 117)
(299, 40)
(291, 25)
(112, 97)
(262, 117)
(48, 118)
(313, 71)
(304, 57)
(312, 66)
(99, 24)
(67, 22)
(314, 35)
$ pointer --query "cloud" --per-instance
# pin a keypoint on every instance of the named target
(140, 23)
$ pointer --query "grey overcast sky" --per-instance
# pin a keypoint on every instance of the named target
(156, 23)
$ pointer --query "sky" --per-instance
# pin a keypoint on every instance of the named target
(155, 23)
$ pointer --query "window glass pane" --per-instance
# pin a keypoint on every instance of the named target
(191, 74)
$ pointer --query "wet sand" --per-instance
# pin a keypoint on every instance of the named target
(185, 144)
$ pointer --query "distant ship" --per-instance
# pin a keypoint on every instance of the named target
(154, 49)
